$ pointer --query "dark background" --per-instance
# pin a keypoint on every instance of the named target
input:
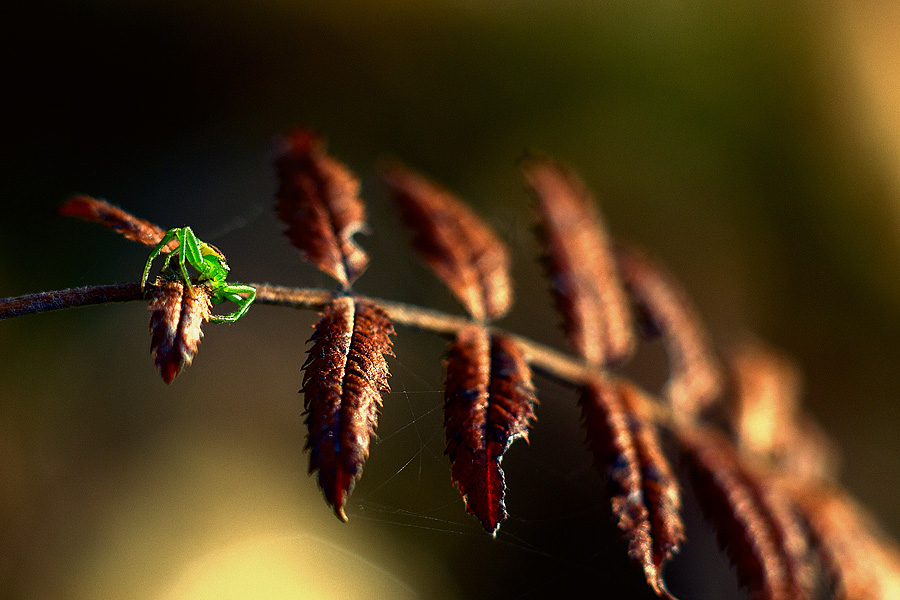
(753, 148)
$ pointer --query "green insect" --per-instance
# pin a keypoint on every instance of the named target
(211, 265)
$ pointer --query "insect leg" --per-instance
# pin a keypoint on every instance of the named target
(170, 234)
(190, 254)
(232, 294)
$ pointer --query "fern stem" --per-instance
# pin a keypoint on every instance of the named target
(549, 362)
(42, 302)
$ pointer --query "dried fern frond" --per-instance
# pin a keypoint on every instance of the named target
(861, 562)
(763, 488)
(791, 535)
(662, 492)
(178, 312)
(645, 496)
(489, 402)
(766, 399)
(766, 418)
(120, 221)
(696, 380)
(756, 524)
(318, 199)
(580, 265)
(457, 244)
(345, 375)
(812, 455)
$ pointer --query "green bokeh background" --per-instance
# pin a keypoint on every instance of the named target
(735, 141)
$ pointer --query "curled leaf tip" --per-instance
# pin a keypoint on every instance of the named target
(337, 489)
(341, 514)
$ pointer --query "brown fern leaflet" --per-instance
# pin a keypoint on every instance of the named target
(791, 535)
(345, 376)
(765, 415)
(464, 252)
(645, 496)
(861, 562)
(766, 398)
(489, 402)
(662, 492)
(178, 312)
(318, 200)
(695, 381)
(586, 286)
(124, 223)
(755, 523)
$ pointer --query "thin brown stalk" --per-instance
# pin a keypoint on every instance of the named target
(41, 302)
(550, 362)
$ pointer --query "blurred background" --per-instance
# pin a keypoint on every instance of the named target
(752, 147)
